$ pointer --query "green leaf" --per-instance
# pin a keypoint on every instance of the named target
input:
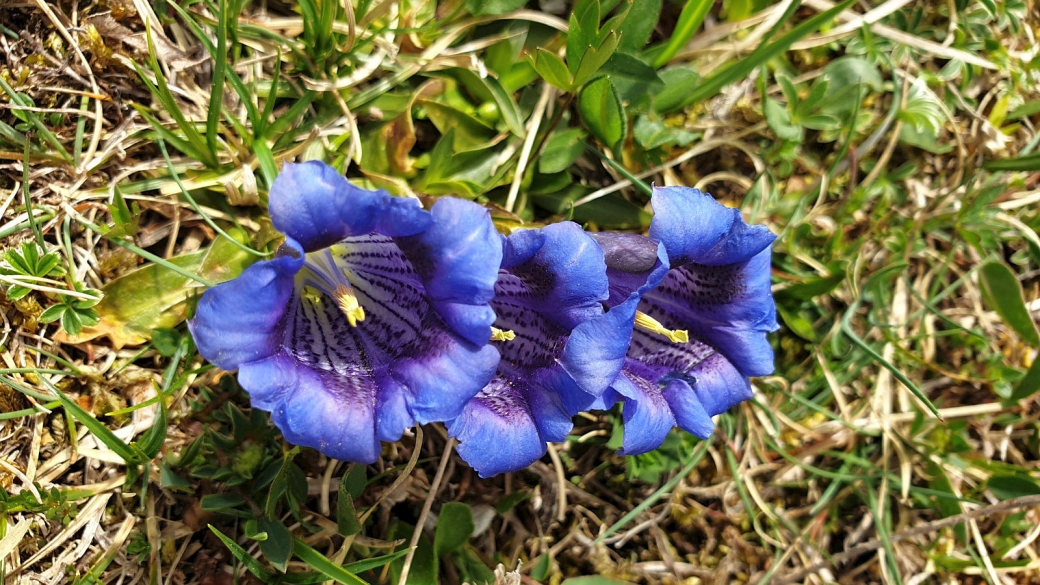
(779, 119)
(765, 52)
(492, 7)
(425, 564)
(278, 546)
(613, 212)
(679, 83)
(470, 131)
(219, 502)
(552, 69)
(346, 515)
(583, 27)
(320, 563)
(636, 82)
(243, 556)
(1003, 293)
(651, 132)
(593, 59)
(639, 24)
(812, 288)
(152, 441)
(1007, 487)
(849, 79)
(99, 430)
(602, 112)
(1030, 162)
(375, 562)
(691, 18)
(454, 528)
(561, 150)
(1028, 385)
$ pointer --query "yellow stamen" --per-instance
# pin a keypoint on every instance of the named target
(648, 323)
(348, 303)
(502, 335)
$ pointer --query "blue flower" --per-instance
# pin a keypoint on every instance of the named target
(558, 349)
(372, 316)
(698, 293)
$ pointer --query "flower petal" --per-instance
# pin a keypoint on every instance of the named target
(635, 263)
(458, 259)
(507, 425)
(239, 321)
(695, 228)
(648, 416)
(316, 206)
(728, 306)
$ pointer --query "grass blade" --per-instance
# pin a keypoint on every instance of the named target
(320, 563)
(741, 69)
(690, 21)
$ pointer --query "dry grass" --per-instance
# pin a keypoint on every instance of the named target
(835, 472)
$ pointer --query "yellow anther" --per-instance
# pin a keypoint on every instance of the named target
(648, 323)
(348, 303)
(502, 335)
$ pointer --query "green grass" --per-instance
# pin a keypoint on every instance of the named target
(897, 441)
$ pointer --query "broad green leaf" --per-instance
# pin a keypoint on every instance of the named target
(1028, 385)
(278, 546)
(346, 515)
(638, 25)
(425, 564)
(218, 502)
(153, 297)
(927, 141)
(636, 82)
(849, 79)
(1007, 487)
(779, 120)
(470, 131)
(593, 59)
(561, 150)
(601, 109)
(651, 132)
(552, 69)
(679, 83)
(454, 527)
(1003, 293)
(583, 28)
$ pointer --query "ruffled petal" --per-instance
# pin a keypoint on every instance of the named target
(457, 259)
(695, 228)
(688, 410)
(240, 321)
(507, 425)
(647, 415)
(332, 413)
(316, 206)
(716, 382)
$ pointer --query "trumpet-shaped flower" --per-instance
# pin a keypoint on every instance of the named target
(698, 294)
(372, 316)
(557, 349)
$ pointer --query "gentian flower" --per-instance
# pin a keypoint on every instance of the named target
(372, 316)
(558, 349)
(698, 293)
